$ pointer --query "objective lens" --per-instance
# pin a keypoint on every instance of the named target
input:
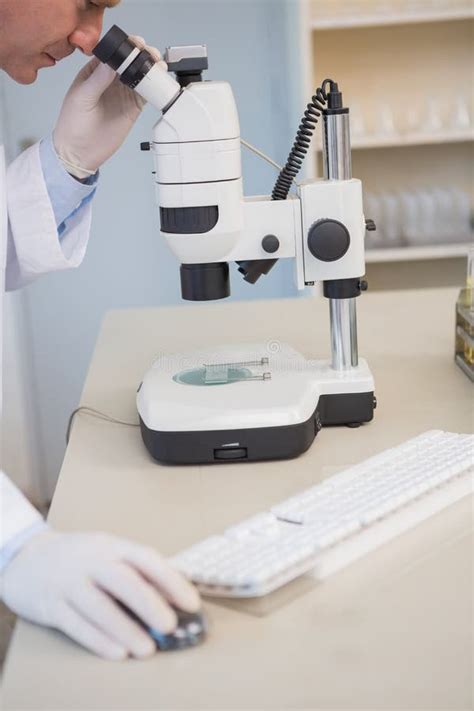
(205, 282)
(119, 52)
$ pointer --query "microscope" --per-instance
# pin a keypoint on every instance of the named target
(258, 401)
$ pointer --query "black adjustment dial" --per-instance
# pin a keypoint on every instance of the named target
(328, 240)
(270, 243)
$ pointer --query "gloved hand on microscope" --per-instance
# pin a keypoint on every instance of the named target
(97, 115)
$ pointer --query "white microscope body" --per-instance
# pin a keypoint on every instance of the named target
(248, 402)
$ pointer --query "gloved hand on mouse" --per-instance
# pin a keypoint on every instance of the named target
(70, 581)
(97, 116)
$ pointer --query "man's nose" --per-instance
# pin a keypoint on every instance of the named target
(87, 34)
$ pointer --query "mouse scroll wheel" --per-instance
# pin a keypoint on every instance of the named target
(194, 628)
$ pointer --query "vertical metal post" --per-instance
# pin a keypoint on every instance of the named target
(337, 166)
(343, 333)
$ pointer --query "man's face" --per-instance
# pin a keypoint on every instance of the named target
(38, 33)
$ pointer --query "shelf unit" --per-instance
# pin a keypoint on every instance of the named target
(465, 135)
(410, 253)
(403, 58)
(333, 14)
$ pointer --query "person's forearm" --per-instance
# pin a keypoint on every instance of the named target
(19, 520)
(67, 194)
(36, 244)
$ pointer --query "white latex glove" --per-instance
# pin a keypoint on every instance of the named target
(96, 116)
(68, 581)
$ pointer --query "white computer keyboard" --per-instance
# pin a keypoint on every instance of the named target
(324, 528)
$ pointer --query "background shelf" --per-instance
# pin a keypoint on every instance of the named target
(375, 13)
(406, 63)
(412, 253)
(410, 139)
(380, 20)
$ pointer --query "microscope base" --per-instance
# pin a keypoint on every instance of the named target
(191, 417)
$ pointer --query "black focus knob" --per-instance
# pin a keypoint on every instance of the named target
(363, 285)
(328, 240)
(271, 244)
(370, 226)
(145, 146)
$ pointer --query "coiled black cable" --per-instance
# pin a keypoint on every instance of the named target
(302, 142)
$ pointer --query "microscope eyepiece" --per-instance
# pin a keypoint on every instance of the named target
(121, 54)
(114, 47)
(137, 68)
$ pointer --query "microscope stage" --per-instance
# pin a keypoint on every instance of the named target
(245, 403)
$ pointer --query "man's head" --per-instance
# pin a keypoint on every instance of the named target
(38, 33)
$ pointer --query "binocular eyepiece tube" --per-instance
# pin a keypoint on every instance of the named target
(121, 54)
(137, 68)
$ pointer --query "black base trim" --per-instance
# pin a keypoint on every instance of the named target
(346, 408)
(262, 443)
(285, 442)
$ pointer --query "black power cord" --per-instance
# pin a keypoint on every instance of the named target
(303, 139)
(253, 269)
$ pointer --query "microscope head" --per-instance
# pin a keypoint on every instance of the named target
(196, 150)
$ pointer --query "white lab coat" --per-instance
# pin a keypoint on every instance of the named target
(29, 247)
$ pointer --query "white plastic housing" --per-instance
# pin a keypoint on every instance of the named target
(264, 216)
(196, 147)
(197, 162)
(215, 245)
(205, 111)
(338, 200)
(290, 397)
(158, 87)
(261, 216)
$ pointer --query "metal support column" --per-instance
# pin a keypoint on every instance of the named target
(343, 333)
(337, 166)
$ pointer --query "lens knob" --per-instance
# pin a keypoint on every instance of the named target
(328, 240)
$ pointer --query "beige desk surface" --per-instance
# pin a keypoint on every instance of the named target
(393, 631)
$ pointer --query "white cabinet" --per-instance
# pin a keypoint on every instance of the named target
(405, 69)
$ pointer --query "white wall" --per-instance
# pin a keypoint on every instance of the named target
(252, 44)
